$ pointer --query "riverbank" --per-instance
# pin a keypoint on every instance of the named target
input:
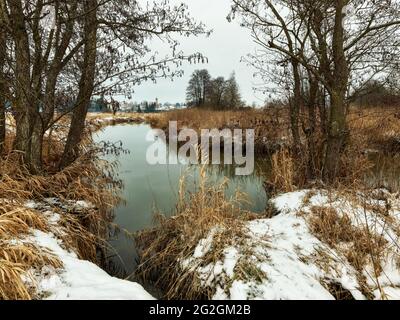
(307, 244)
(212, 250)
(97, 121)
(44, 256)
(271, 130)
(54, 229)
(310, 244)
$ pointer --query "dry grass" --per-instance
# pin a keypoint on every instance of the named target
(358, 236)
(282, 175)
(289, 172)
(371, 129)
(336, 230)
(17, 257)
(97, 121)
(385, 173)
(85, 232)
(376, 128)
(271, 127)
(104, 115)
(173, 240)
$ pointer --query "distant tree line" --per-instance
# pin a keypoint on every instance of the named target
(216, 93)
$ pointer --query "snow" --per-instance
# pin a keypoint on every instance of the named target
(278, 258)
(291, 261)
(116, 119)
(204, 245)
(230, 261)
(288, 277)
(290, 201)
(78, 279)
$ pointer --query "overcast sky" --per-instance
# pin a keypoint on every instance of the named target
(224, 49)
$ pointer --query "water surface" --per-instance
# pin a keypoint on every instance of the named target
(150, 188)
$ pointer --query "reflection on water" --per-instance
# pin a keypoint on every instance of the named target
(150, 188)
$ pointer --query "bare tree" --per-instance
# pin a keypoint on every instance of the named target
(330, 43)
(217, 92)
(54, 53)
(231, 96)
(198, 89)
(41, 34)
(122, 57)
(86, 84)
(213, 93)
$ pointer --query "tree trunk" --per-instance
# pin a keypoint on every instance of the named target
(2, 87)
(43, 121)
(338, 131)
(312, 163)
(323, 118)
(2, 124)
(49, 99)
(24, 104)
(86, 85)
(337, 136)
(37, 147)
(295, 106)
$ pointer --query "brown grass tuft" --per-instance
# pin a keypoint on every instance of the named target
(174, 240)
(17, 257)
(84, 231)
(361, 243)
(282, 176)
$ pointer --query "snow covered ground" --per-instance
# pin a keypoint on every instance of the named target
(281, 258)
(78, 279)
(276, 258)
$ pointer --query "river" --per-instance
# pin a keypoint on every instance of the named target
(150, 188)
(154, 188)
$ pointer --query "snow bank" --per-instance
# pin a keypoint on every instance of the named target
(280, 258)
(79, 279)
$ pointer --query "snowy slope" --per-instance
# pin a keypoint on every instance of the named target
(78, 279)
(280, 258)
